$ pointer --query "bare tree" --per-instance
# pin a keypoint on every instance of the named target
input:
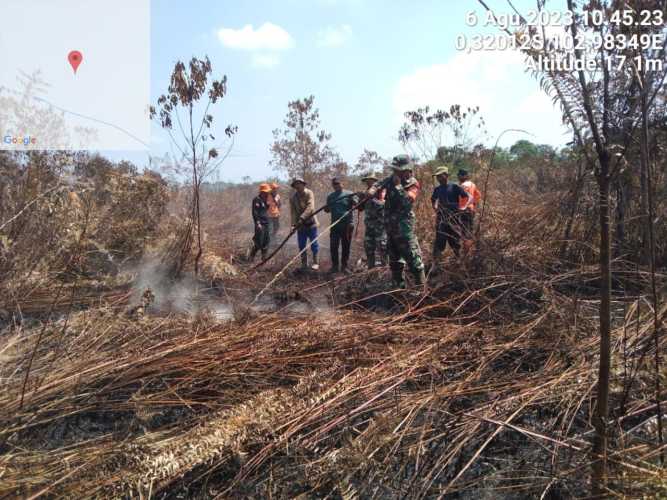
(424, 132)
(302, 148)
(370, 161)
(194, 140)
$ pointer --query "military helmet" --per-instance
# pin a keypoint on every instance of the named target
(402, 163)
(369, 177)
(298, 179)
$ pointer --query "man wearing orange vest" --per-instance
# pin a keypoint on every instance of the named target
(274, 203)
(468, 214)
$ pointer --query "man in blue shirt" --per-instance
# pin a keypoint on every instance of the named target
(339, 204)
(445, 202)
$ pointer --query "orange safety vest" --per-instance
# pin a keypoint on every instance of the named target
(470, 188)
(274, 205)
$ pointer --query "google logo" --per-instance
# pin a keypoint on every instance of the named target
(25, 140)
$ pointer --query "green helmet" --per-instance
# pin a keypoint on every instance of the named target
(402, 163)
(369, 176)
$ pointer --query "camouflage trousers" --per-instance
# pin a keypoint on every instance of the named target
(375, 244)
(403, 248)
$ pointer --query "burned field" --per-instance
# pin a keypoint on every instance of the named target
(126, 382)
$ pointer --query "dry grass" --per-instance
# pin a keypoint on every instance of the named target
(481, 388)
(363, 406)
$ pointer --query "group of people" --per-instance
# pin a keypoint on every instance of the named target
(389, 219)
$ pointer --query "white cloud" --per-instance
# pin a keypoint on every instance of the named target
(265, 60)
(466, 79)
(493, 80)
(334, 36)
(268, 36)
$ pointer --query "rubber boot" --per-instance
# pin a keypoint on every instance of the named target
(265, 254)
(304, 261)
(370, 260)
(316, 262)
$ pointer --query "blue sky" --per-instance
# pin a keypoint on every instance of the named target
(366, 61)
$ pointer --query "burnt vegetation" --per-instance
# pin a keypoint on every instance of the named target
(142, 356)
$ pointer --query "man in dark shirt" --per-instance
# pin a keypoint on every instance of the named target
(445, 201)
(260, 216)
(339, 204)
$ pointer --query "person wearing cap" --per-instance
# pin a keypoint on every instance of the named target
(468, 214)
(260, 217)
(375, 236)
(339, 204)
(302, 206)
(275, 203)
(445, 202)
(399, 217)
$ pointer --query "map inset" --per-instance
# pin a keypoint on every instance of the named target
(75, 74)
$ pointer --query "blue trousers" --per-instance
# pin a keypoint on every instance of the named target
(305, 234)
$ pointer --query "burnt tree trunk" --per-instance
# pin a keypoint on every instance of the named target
(602, 407)
(619, 213)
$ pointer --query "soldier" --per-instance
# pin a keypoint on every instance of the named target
(261, 219)
(302, 206)
(402, 244)
(375, 238)
(340, 203)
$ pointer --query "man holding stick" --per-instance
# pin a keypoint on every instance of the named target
(302, 206)
(402, 244)
(375, 237)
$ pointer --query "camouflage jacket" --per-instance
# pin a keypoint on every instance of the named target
(374, 210)
(398, 214)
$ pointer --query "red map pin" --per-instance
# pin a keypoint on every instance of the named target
(75, 58)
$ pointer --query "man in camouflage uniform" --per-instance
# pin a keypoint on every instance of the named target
(399, 217)
(375, 237)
